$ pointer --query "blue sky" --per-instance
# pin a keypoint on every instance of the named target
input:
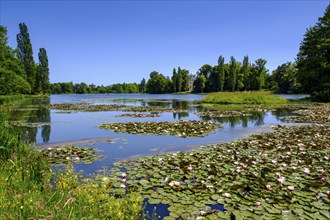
(107, 42)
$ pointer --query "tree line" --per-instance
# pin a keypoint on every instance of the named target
(19, 74)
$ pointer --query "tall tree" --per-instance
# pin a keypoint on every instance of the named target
(313, 59)
(12, 74)
(246, 73)
(174, 80)
(142, 86)
(179, 80)
(185, 80)
(221, 72)
(260, 71)
(232, 73)
(42, 77)
(25, 53)
(285, 78)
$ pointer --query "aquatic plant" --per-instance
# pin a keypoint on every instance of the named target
(284, 173)
(191, 128)
(136, 115)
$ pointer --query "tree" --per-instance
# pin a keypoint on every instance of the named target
(142, 86)
(25, 53)
(42, 78)
(285, 77)
(199, 83)
(12, 74)
(232, 73)
(221, 72)
(174, 80)
(260, 72)
(313, 59)
(179, 81)
(158, 83)
(246, 73)
(185, 80)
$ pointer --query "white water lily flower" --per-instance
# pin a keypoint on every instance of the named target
(49, 149)
(326, 158)
(322, 170)
(227, 195)
(281, 179)
(307, 171)
(68, 158)
(123, 175)
(269, 187)
(104, 179)
(190, 168)
(77, 158)
(171, 184)
(291, 188)
(123, 186)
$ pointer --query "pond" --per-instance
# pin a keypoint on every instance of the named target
(50, 127)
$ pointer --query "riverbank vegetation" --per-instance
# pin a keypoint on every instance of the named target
(29, 189)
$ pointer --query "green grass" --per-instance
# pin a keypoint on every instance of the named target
(254, 97)
(29, 189)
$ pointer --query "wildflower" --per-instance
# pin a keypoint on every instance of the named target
(306, 171)
(258, 204)
(227, 195)
(291, 188)
(123, 175)
(269, 187)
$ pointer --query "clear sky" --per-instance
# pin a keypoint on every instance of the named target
(107, 42)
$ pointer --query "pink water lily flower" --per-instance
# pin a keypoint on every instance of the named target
(258, 204)
(281, 180)
(190, 168)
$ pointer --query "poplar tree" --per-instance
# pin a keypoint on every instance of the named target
(174, 80)
(221, 72)
(232, 73)
(25, 53)
(246, 73)
(42, 77)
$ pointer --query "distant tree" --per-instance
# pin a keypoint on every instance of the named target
(285, 77)
(117, 88)
(199, 83)
(232, 73)
(82, 88)
(42, 77)
(142, 86)
(179, 81)
(206, 70)
(246, 73)
(158, 83)
(174, 80)
(260, 72)
(185, 80)
(313, 59)
(239, 77)
(25, 53)
(221, 72)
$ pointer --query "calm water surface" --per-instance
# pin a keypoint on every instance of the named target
(52, 126)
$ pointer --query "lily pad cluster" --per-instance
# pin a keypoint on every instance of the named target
(281, 174)
(312, 113)
(221, 114)
(85, 107)
(69, 155)
(152, 109)
(191, 128)
(137, 115)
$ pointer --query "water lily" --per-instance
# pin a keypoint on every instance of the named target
(281, 179)
(123, 186)
(291, 188)
(269, 187)
(123, 180)
(190, 168)
(322, 170)
(77, 158)
(274, 161)
(306, 171)
(326, 158)
(318, 197)
(258, 204)
(67, 158)
(209, 186)
(227, 195)
(123, 175)
(238, 169)
(328, 192)
(49, 148)
(104, 179)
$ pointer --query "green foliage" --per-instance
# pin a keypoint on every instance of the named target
(158, 83)
(255, 97)
(313, 59)
(25, 54)
(199, 84)
(42, 77)
(221, 72)
(285, 77)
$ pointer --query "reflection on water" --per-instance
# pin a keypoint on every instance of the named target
(48, 126)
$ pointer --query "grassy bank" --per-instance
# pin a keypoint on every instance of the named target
(5, 99)
(251, 97)
(29, 189)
